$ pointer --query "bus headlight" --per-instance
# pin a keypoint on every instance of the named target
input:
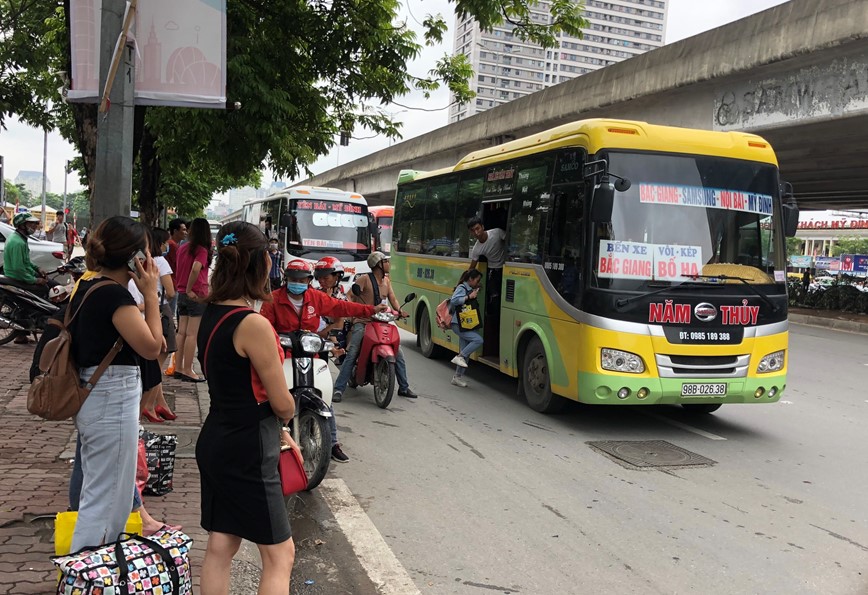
(771, 363)
(621, 361)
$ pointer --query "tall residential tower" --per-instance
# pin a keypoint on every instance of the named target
(507, 68)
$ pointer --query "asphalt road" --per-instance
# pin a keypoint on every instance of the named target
(470, 491)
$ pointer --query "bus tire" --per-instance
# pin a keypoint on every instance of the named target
(701, 408)
(424, 336)
(535, 381)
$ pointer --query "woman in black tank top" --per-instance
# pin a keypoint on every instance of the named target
(239, 444)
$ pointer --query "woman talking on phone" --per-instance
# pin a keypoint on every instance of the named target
(106, 320)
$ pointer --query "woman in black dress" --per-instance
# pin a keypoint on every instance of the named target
(239, 444)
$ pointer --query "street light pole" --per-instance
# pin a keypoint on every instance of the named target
(65, 176)
(44, 175)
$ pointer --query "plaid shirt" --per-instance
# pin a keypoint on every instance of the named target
(276, 271)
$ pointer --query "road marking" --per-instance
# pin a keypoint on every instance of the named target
(683, 426)
(376, 558)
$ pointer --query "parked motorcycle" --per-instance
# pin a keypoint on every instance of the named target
(310, 382)
(23, 311)
(378, 353)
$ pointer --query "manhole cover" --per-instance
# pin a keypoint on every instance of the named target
(650, 453)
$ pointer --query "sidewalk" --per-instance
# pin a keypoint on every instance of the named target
(841, 321)
(35, 466)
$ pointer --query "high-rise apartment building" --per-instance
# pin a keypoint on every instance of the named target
(506, 68)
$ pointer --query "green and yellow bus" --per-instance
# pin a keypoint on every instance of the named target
(645, 264)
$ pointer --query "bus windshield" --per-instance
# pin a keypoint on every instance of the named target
(688, 218)
(330, 226)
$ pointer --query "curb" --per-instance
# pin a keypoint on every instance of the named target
(850, 326)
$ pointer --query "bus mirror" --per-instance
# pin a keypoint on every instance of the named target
(791, 219)
(286, 220)
(603, 203)
(622, 184)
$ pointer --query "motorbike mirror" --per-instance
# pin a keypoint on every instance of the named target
(410, 297)
(357, 291)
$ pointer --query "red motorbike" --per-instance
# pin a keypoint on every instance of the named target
(378, 353)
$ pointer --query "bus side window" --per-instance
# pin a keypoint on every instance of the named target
(439, 218)
(409, 218)
(469, 203)
(531, 204)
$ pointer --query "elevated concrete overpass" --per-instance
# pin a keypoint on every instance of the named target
(796, 74)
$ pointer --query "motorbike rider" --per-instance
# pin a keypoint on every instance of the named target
(294, 308)
(329, 272)
(17, 265)
(379, 277)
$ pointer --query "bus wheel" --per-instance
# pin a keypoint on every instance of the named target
(424, 336)
(535, 381)
(701, 407)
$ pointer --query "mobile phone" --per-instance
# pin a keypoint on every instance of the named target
(132, 262)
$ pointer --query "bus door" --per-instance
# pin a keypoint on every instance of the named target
(564, 250)
(495, 214)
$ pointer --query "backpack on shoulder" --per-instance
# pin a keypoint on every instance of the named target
(442, 315)
(57, 392)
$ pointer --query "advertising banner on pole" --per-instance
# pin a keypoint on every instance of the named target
(827, 263)
(180, 48)
(854, 263)
(801, 262)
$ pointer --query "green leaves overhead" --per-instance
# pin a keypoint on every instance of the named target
(303, 71)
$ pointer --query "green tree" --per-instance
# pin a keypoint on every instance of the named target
(336, 68)
(849, 246)
(16, 193)
(795, 246)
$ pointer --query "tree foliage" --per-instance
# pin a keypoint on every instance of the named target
(795, 246)
(850, 246)
(302, 71)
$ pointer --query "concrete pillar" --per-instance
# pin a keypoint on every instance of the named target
(114, 148)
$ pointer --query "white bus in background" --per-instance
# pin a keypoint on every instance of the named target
(311, 222)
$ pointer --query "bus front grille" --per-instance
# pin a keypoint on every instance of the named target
(681, 366)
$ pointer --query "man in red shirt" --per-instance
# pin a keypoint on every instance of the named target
(298, 307)
(177, 235)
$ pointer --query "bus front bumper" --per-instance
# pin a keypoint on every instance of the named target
(605, 389)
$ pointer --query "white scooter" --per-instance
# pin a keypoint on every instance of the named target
(310, 382)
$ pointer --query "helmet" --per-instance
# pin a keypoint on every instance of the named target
(58, 293)
(22, 218)
(376, 258)
(299, 269)
(327, 266)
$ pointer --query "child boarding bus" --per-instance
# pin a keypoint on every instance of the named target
(312, 222)
(644, 264)
(382, 219)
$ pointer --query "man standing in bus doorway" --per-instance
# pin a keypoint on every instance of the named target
(379, 275)
(490, 243)
(275, 276)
